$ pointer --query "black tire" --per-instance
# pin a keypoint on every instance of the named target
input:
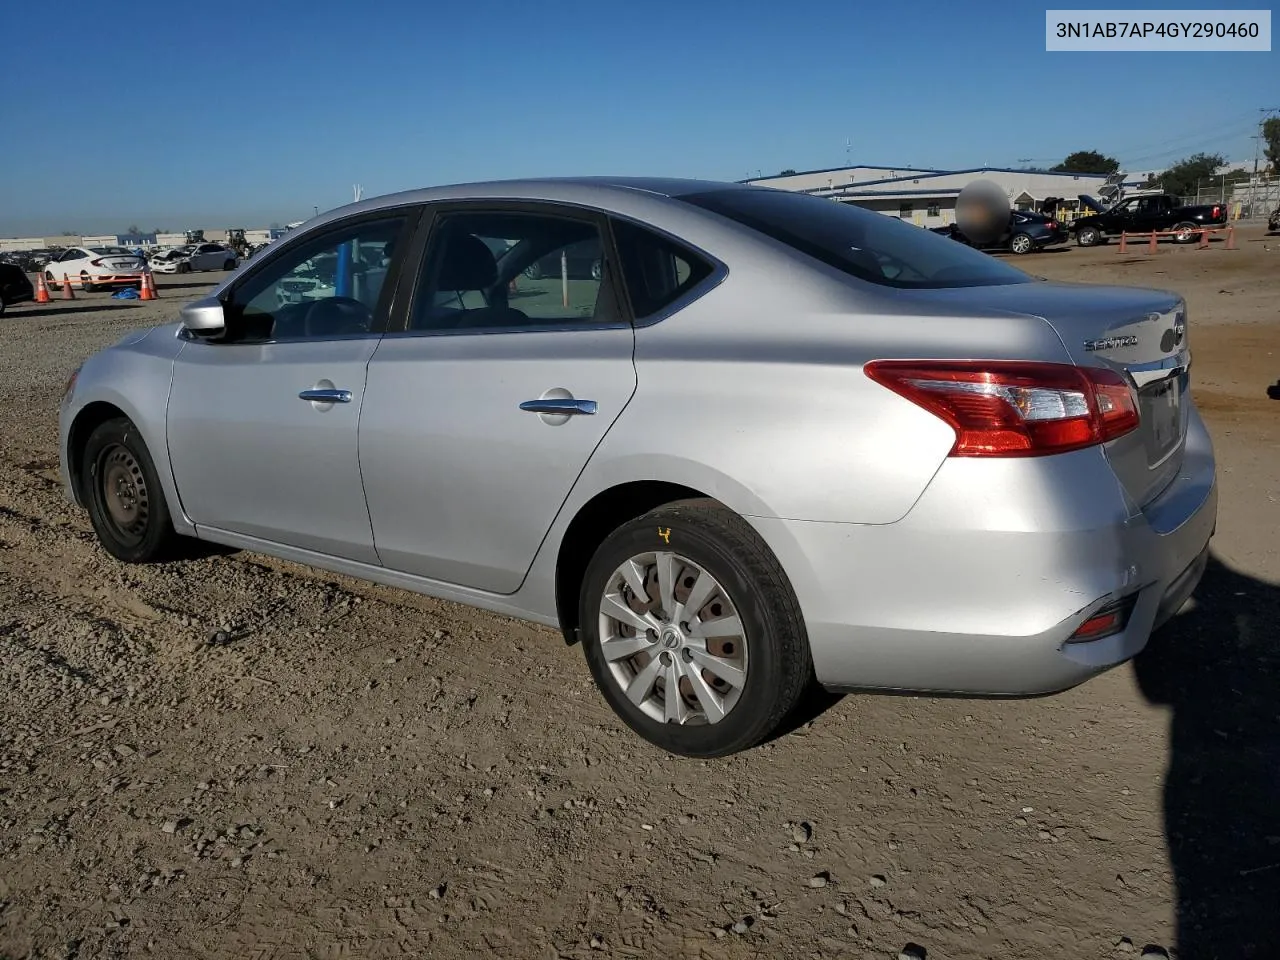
(597, 269)
(1089, 237)
(229, 265)
(48, 281)
(116, 456)
(184, 268)
(1021, 243)
(533, 271)
(1191, 231)
(86, 285)
(779, 665)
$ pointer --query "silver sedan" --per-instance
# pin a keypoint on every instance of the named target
(733, 440)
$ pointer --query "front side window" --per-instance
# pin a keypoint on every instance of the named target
(859, 242)
(489, 270)
(329, 286)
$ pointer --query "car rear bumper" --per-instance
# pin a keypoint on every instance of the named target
(977, 590)
(106, 279)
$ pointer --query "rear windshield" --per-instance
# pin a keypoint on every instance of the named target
(110, 251)
(863, 243)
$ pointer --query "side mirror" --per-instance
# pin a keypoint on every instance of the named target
(204, 318)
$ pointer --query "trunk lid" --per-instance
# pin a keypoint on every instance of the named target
(1137, 331)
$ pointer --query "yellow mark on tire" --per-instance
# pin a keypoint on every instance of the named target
(665, 534)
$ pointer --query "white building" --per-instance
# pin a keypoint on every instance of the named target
(928, 197)
(808, 181)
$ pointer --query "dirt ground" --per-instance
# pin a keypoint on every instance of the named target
(237, 757)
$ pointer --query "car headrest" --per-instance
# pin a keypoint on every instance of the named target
(468, 264)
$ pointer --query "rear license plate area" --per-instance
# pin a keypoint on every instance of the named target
(1161, 409)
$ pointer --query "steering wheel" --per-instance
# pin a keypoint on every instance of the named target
(334, 316)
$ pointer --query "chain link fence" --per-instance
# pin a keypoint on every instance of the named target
(1253, 200)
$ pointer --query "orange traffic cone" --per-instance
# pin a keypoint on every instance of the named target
(147, 291)
(67, 292)
(42, 289)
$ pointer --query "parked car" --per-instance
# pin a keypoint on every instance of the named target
(1273, 221)
(1027, 232)
(15, 286)
(174, 260)
(212, 256)
(96, 267)
(582, 261)
(1144, 213)
(30, 261)
(781, 439)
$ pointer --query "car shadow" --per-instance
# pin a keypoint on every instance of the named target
(166, 285)
(39, 311)
(1217, 667)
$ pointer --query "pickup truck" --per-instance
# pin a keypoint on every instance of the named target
(1142, 214)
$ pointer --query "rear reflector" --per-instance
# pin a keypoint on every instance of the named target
(1001, 408)
(1108, 621)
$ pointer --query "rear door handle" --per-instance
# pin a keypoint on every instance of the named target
(560, 405)
(326, 396)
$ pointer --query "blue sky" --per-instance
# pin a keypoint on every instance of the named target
(202, 114)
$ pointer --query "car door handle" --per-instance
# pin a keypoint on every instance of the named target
(326, 396)
(560, 405)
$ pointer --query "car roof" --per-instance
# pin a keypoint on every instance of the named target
(597, 191)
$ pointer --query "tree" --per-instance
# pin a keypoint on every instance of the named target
(133, 230)
(1271, 136)
(1185, 177)
(1087, 161)
(787, 173)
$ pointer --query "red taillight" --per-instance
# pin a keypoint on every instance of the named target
(1215, 212)
(1107, 622)
(1001, 408)
(1053, 224)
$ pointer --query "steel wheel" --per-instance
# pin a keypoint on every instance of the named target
(124, 493)
(673, 640)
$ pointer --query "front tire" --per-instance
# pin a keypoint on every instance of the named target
(122, 489)
(1089, 236)
(1020, 243)
(692, 631)
(229, 266)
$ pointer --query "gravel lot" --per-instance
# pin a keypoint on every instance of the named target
(238, 757)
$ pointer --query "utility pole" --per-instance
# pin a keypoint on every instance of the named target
(1257, 146)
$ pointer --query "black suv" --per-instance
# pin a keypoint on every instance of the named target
(15, 285)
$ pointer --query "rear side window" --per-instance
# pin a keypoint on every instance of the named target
(657, 271)
(862, 243)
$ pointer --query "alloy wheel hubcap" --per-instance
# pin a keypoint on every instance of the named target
(672, 639)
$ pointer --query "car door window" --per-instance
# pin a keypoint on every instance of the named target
(487, 270)
(657, 271)
(330, 286)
